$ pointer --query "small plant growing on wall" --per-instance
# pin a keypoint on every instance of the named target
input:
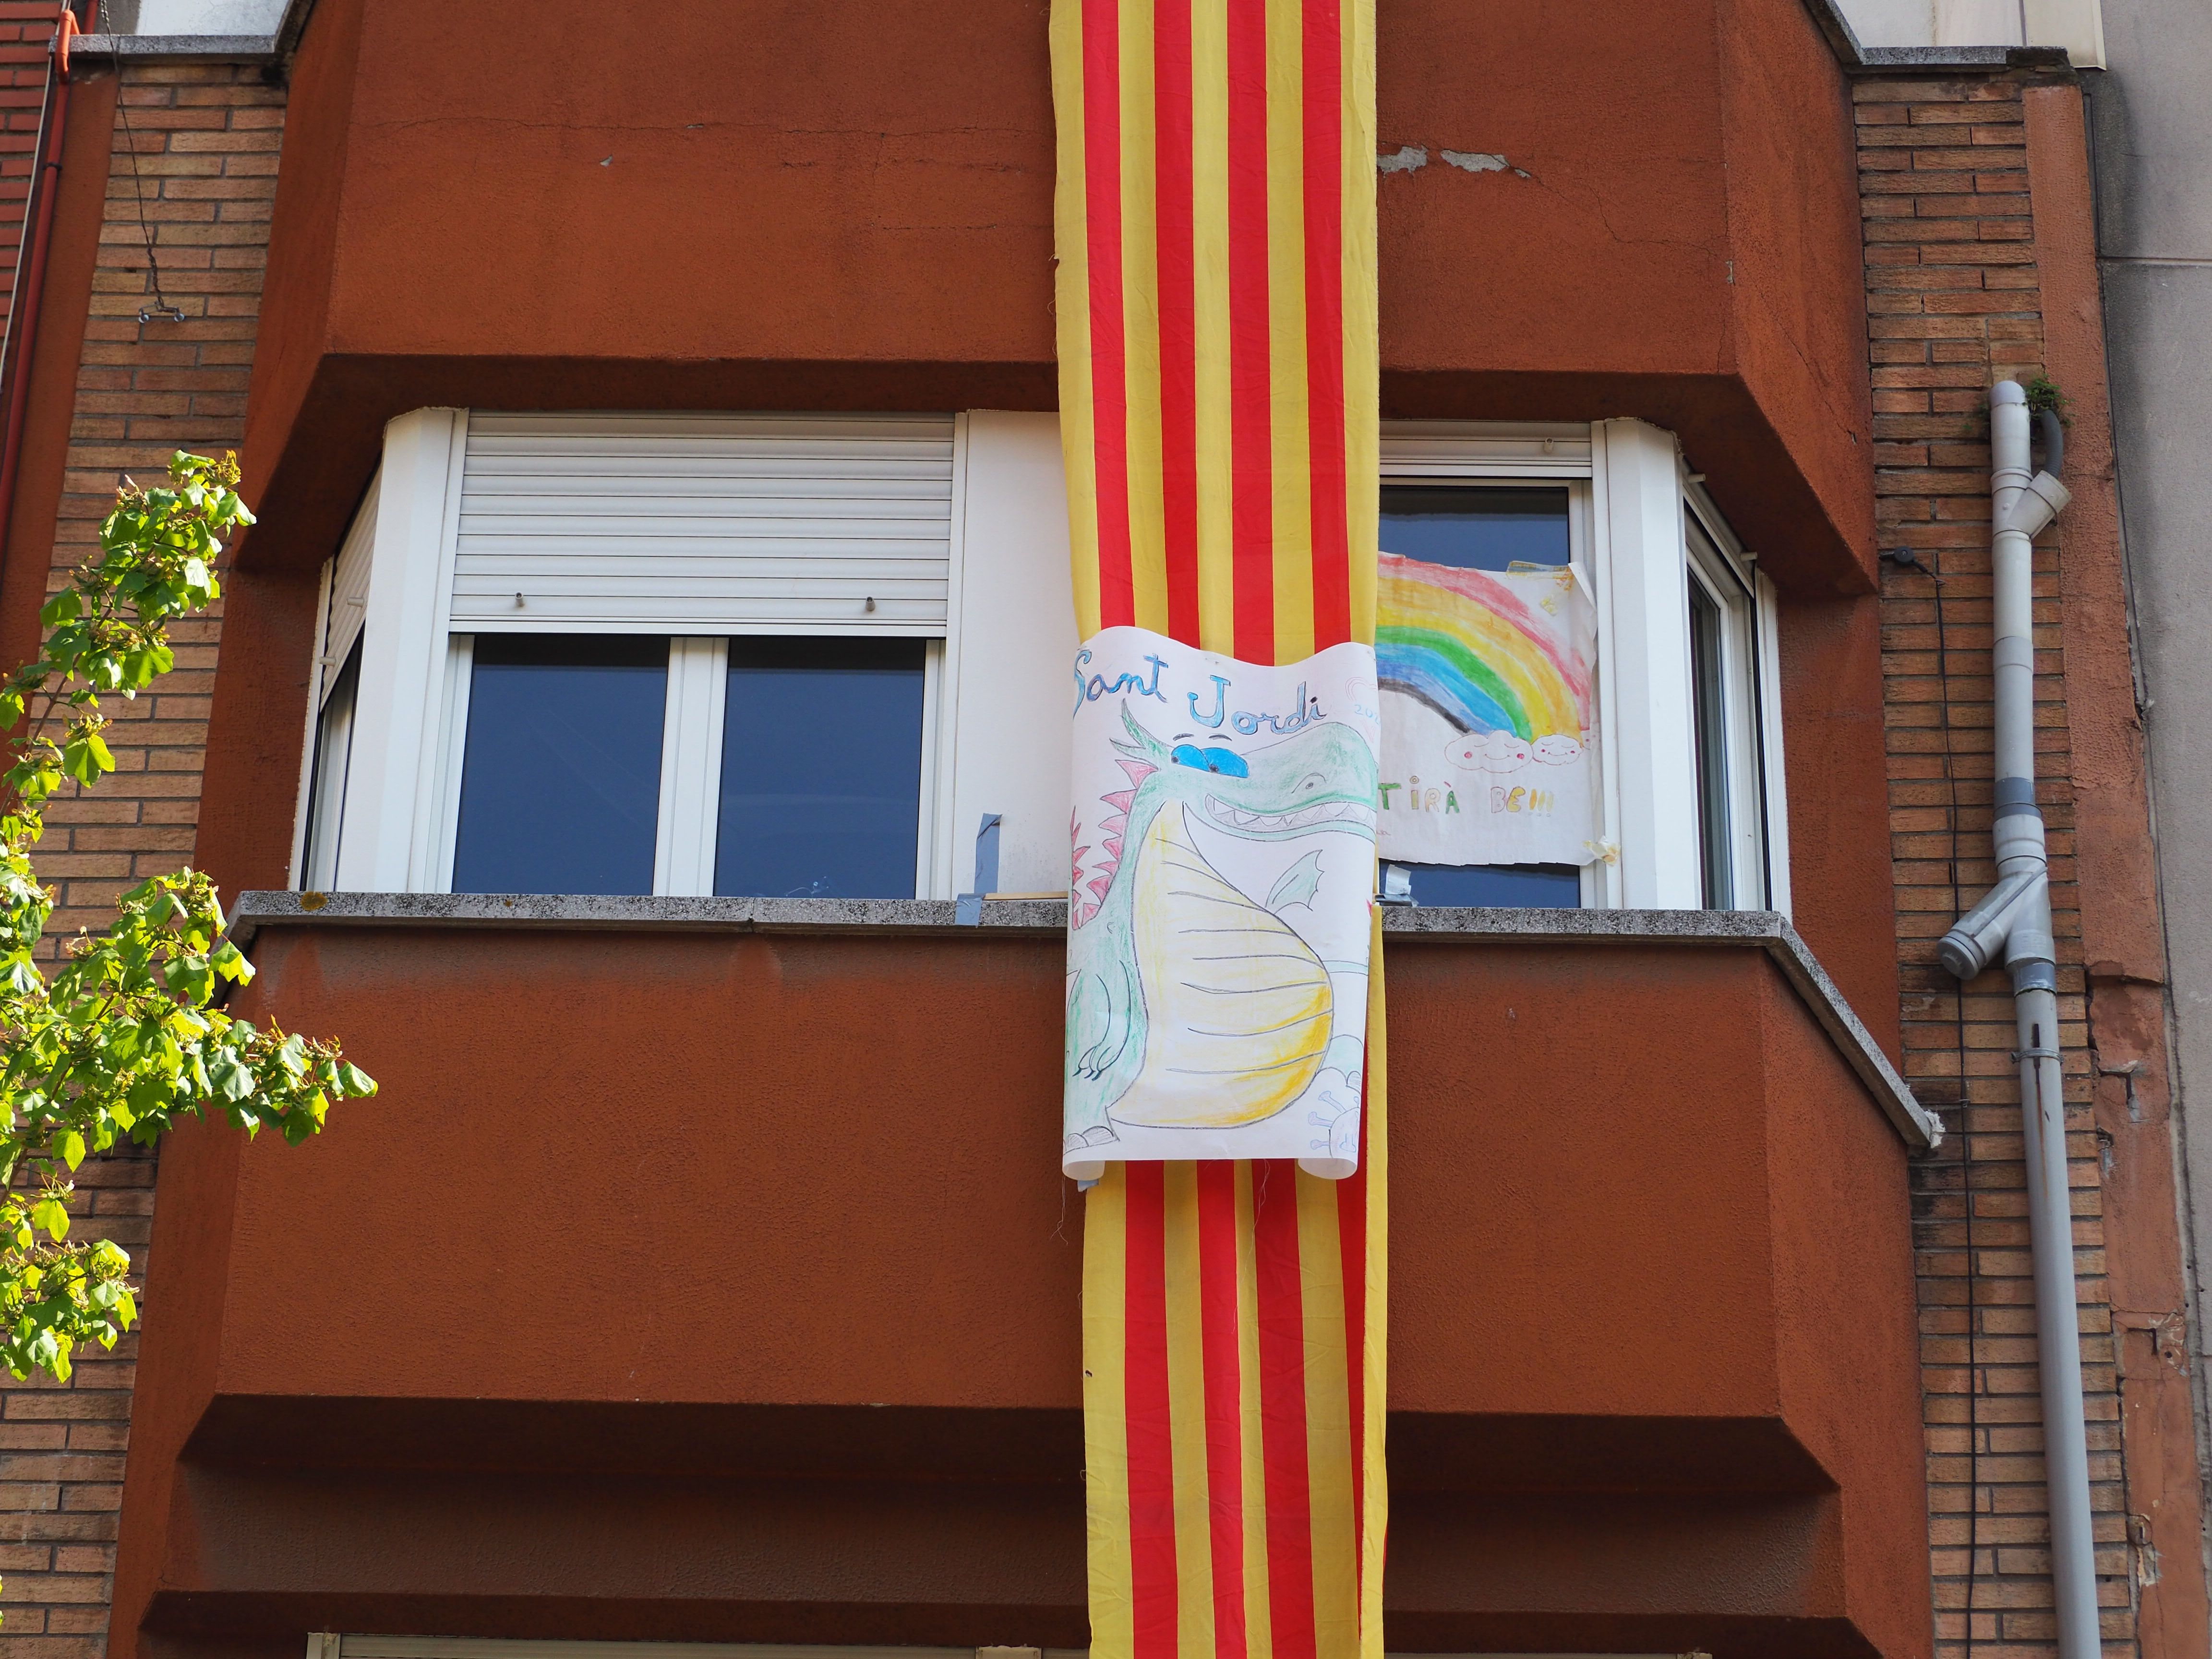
(122, 1036)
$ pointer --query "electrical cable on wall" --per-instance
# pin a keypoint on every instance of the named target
(1966, 1140)
(1905, 559)
(161, 310)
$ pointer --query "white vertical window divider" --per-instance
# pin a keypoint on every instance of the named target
(691, 768)
(304, 810)
(1773, 775)
(1643, 648)
(386, 839)
(452, 750)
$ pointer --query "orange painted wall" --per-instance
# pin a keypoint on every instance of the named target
(738, 1174)
(853, 211)
(849, 205)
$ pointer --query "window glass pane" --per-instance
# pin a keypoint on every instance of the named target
(1519, 886)
(821, 769)
(560, 773)
(1705, 687)
(1470, 528)
(327, 789)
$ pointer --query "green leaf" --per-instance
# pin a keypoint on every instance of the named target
(122, 1038)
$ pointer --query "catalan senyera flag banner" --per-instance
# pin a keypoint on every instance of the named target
(1217, 320)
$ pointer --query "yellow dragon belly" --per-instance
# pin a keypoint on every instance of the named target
(1238, 1006)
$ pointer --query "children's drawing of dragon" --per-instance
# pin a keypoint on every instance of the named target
(1181, 982)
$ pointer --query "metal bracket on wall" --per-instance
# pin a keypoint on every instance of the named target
(968, 909)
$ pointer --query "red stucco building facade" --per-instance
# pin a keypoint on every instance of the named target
(617, 1316)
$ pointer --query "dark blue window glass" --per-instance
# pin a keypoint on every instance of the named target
(1518, 886)
(1475, 529)
(821, 769)
(561, 776)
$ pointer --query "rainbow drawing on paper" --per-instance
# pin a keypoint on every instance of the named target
(1465, 644)
(1487, 682)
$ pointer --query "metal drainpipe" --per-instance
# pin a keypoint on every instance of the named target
(2014, 917)
(23, 315)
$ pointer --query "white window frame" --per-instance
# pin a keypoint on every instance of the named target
(994, 740)
(1757, 862)
(1498, 454)
(1631, 499)
(399, 827)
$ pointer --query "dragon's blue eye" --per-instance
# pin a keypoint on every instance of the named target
(1225, 762)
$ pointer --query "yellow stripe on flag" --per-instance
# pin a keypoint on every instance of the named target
(1141, 308)
(1209, 122)
(1328, 1424)
(1374, 1481)
(1105, 1432)
(1290, 476)
(1363, 389)
(1186, 1407)
(1071, 305)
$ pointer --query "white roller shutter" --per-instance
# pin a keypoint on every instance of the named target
(686, 524)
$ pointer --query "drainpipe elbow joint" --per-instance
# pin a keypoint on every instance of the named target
(2043, 499)
(1975, 939)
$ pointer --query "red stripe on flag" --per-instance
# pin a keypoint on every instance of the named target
(1250, 422)
(1152, 1597)
(1109, 391)
(1225, 1415)
(1282, 1408)
(1324, 215)
(1178, 303)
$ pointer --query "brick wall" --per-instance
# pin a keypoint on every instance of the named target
(1953, 305)
(27, 28)
(204, 139)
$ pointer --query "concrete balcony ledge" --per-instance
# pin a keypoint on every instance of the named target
(177, 48)
(1039, 918)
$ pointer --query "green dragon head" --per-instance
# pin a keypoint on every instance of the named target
(1320, 777)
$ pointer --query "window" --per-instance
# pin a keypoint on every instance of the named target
(1484, 527)
(1709, 732)
(326, 786)
(1726, 609)
(682, 654)
(1688, 735)
(561, 767)
(788, 655)
(821, 766)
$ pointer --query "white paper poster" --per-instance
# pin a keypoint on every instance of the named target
(1223, 869)
(1488, 725)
